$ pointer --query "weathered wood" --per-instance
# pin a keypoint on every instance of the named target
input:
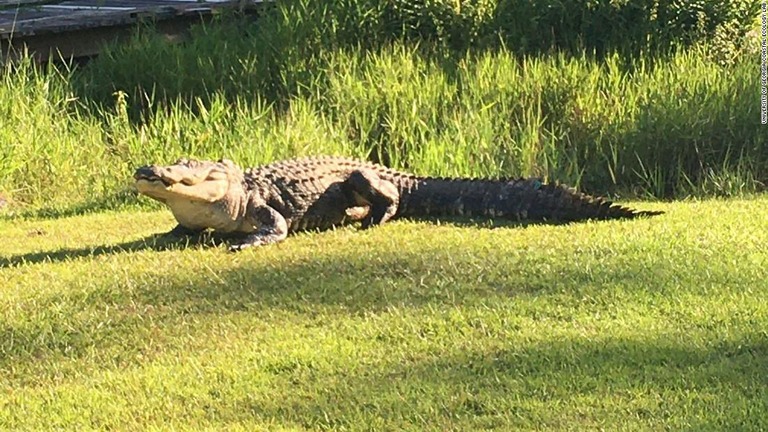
(15, 3)
(75, 28)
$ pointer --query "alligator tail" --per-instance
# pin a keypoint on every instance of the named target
(531, 199)
(521, 199)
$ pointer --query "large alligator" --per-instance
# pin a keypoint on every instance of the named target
(262, 205)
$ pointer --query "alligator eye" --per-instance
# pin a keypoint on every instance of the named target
(226, 162)
(190, 163)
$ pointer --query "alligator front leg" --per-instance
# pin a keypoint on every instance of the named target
(272, 228)
(182, 231)
(366, 188)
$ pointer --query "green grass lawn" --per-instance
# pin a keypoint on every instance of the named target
(640, 325)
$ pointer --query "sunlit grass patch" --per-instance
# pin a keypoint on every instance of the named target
(647, 324)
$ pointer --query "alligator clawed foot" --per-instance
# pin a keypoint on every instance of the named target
(238, 247)
(259, 238)
(244, 244)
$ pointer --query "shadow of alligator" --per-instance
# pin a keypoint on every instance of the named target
(163, 242)
(155, 242)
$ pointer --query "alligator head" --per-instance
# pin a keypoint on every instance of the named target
(200, 194)
(188, 179)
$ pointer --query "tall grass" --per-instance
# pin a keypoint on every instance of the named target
(47, 145)
(656, 126)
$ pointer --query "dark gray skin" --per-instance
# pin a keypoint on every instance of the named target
(263, 205)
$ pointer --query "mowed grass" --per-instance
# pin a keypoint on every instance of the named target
(638, 325)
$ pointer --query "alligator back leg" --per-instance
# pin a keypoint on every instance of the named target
(365, 188)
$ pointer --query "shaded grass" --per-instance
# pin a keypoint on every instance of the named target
(648, 324)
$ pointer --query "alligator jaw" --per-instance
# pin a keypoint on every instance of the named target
(172, 174)
(151, 174)
(190, 180)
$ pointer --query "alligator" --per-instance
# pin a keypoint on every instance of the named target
(262, 205)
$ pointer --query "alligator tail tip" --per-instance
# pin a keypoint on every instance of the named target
(648, 213)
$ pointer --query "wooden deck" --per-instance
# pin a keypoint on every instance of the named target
(79, 28)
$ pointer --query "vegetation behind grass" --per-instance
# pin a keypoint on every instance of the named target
(637, 325)
(294, 84)
(630, 27)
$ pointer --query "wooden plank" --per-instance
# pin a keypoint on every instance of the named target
(79, 29)
(62, 22)
(17, 3)
(66, 8)
(87, 42)
(9, 17)
(79, 14)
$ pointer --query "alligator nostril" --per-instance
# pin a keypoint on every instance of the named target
(144, 172)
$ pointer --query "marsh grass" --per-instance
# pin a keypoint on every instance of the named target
(296, 82)
(649, 324)
(673, 129)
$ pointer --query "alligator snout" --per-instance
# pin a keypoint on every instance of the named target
(144, 172)
(152, 173)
